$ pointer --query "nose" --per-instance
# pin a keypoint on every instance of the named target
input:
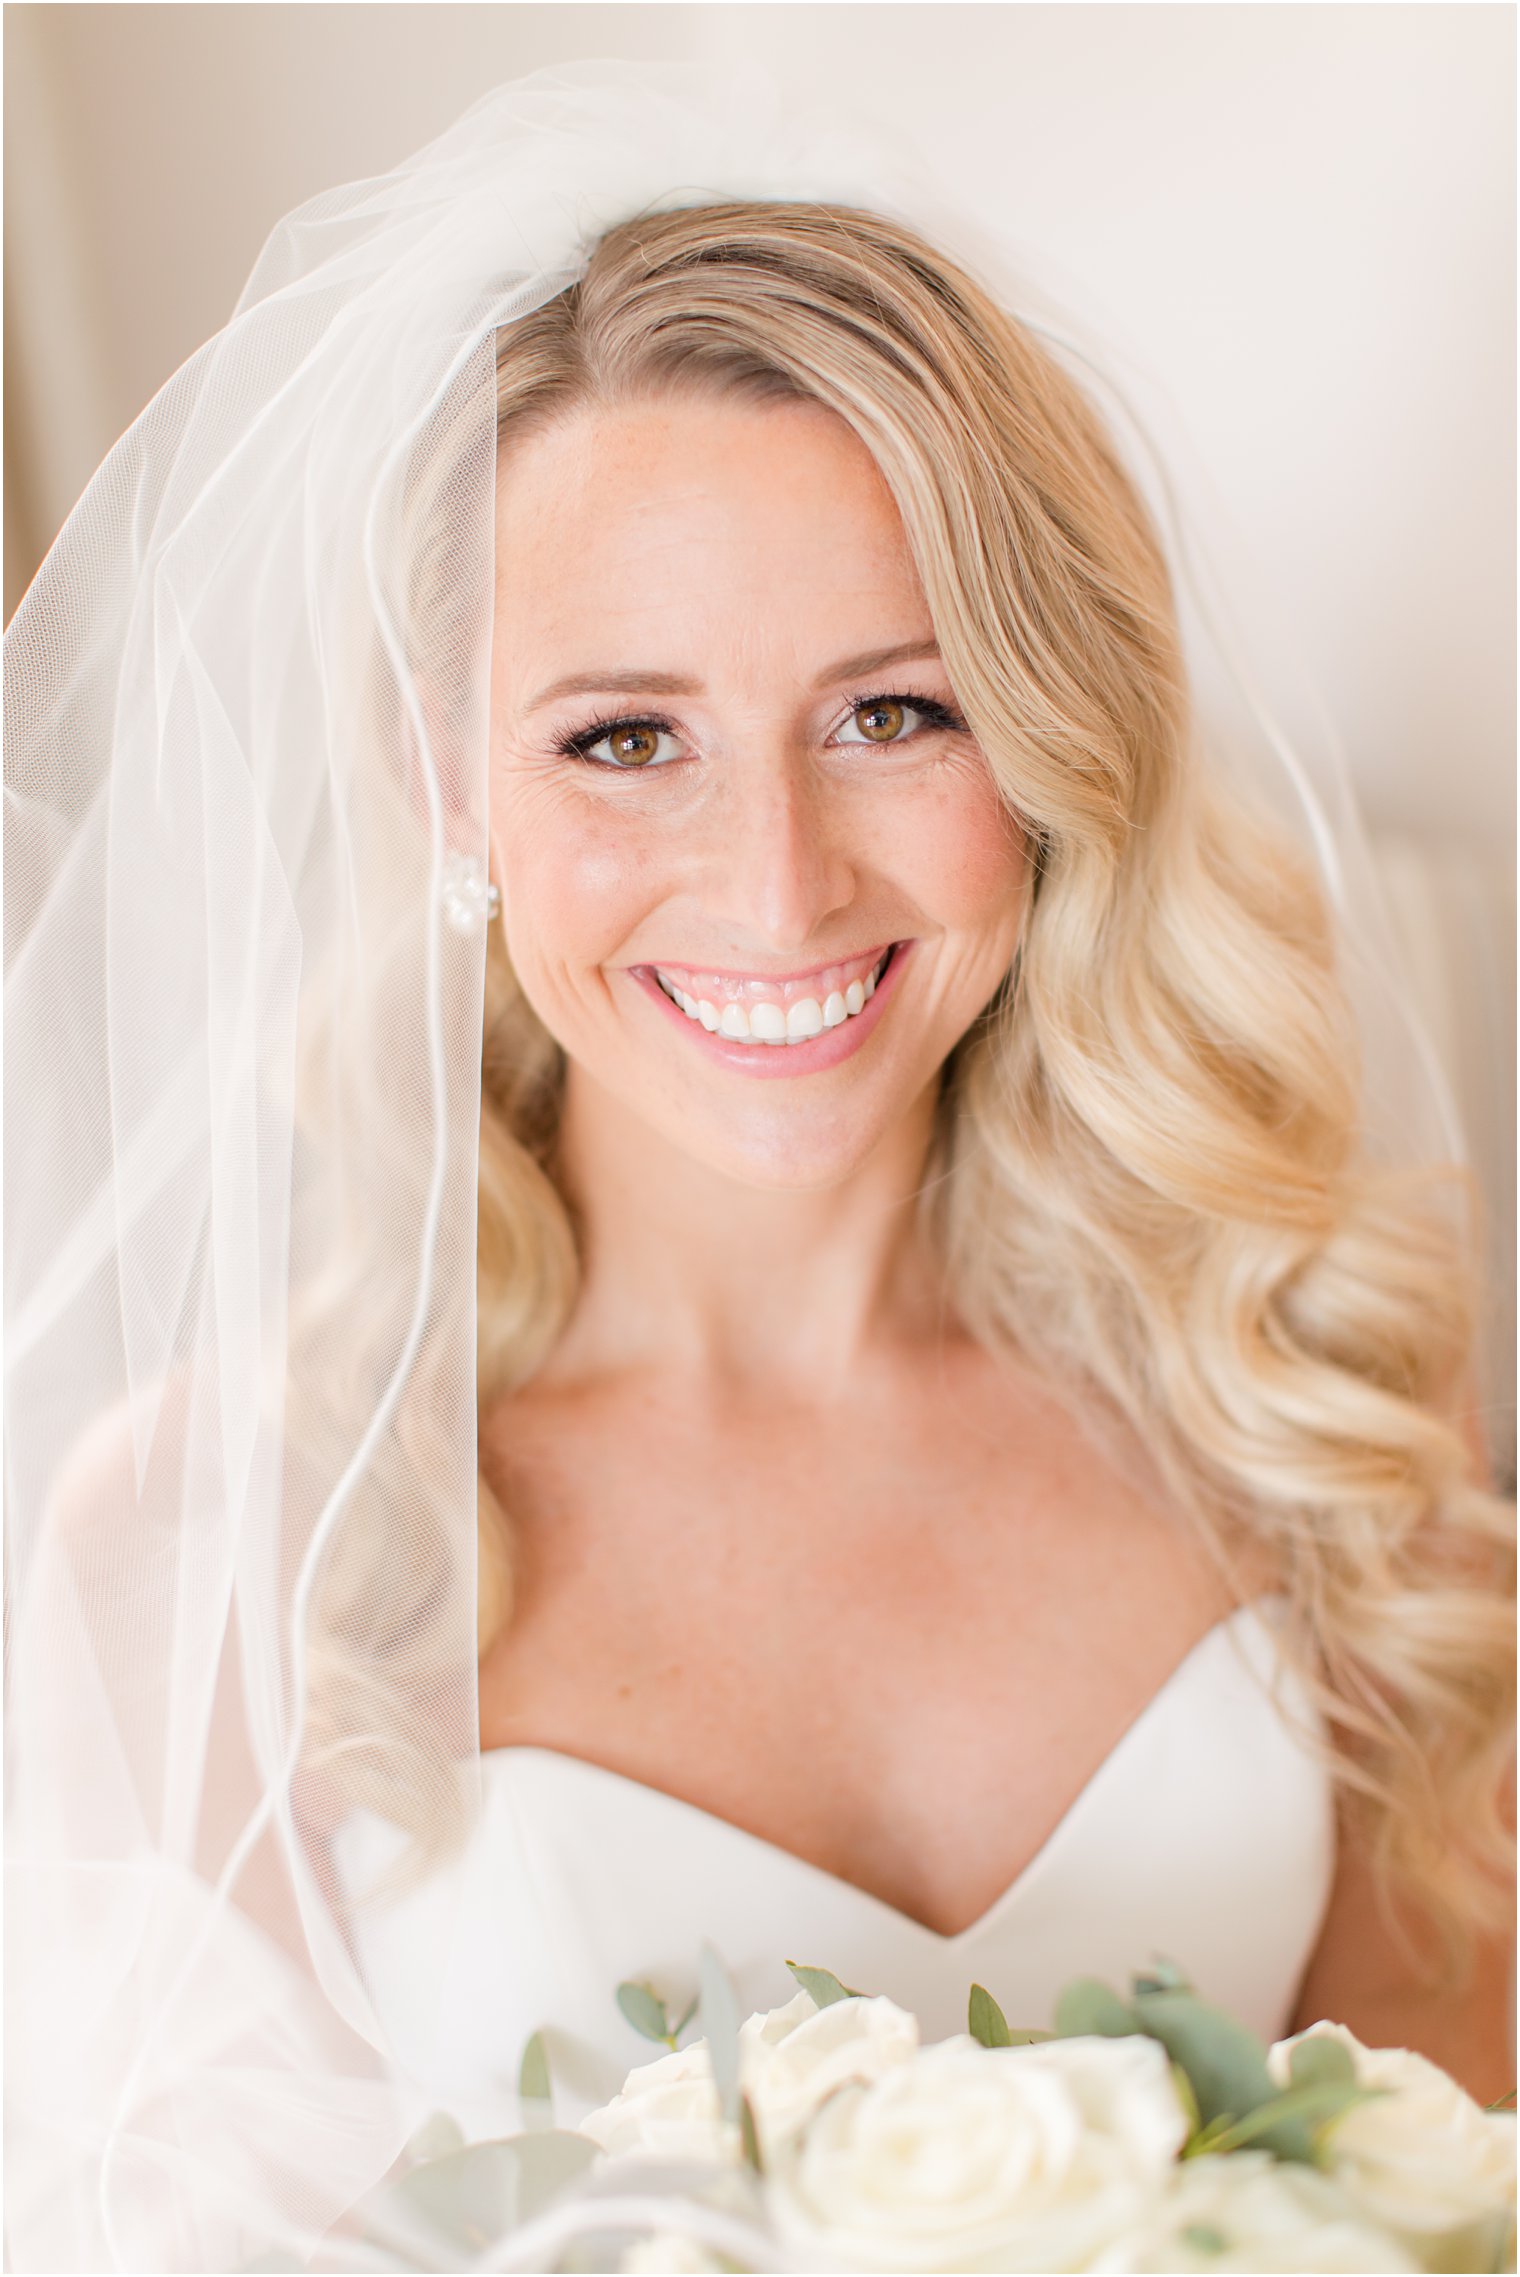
(779, 865)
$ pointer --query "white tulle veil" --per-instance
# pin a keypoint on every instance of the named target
(245, 957)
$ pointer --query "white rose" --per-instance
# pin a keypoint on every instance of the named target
(1248, 2210)
(668, 2253)
(965, 2157)
(790, 2059)
(668, 2107)
(1124, 2089)
(1426, 2162)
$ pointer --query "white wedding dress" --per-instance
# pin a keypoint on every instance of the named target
(1207, 1836)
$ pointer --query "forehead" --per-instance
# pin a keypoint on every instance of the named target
(666, 516)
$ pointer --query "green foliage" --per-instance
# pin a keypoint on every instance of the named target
(1162, 1976)
(720, 2025)
(985, 2021)
(533, 2084)
(646, 2012)
(1288, 2124)
(465, 2202)
(1087, 2006)
(749, 2135)
(1186, 2098)
(681, 2023)
(823, 1985)
(1225, 2061)
(1236, 2097)
(1220, 2067)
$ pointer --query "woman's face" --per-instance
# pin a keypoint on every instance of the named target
(728, 768)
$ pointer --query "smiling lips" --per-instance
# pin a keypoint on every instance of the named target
(752, 1009)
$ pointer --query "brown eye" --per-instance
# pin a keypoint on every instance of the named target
(881, 721)
(633, 746)
(622, 746)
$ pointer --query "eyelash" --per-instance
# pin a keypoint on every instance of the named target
(579, 745)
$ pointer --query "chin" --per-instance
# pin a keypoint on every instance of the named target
(788, 1151)
(782, 1171)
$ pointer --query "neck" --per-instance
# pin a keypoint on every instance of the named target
(728, 1286)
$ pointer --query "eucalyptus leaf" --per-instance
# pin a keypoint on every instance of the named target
(1286, 2125)
(475, 2195)
(720, 2024)
(1187, 2099)
(681, 2023)
(1208, 2136)
(644, 2010)
(749, 2135)
(1088, 2006)
(985, 2021)
(824, 1986)
(1162, 1976)
(533, 2084)
(1504, 2103)
(1204, 2238)
(1315, 2061)
(1225, 2061)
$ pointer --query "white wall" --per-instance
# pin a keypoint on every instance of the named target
(1300, 219)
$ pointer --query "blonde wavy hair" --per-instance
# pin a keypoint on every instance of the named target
(1146, 1176)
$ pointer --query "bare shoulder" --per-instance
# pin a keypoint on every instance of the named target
(1359, 1975)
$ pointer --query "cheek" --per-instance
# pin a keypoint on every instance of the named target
(963, 855)
(576, 877)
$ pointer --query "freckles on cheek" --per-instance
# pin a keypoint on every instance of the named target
(967, 851)
(579, 880)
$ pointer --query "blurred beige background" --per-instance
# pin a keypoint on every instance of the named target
(1299, 219)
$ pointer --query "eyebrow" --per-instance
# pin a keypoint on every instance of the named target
(632, 681)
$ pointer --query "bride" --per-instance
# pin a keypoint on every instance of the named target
(673, 773)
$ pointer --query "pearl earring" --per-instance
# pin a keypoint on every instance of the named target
(471, 900)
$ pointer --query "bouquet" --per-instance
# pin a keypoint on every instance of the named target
(1149, 2134)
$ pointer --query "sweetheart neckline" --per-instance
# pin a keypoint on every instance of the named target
(940, 1940)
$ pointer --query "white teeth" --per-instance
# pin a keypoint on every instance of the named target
(770, 1023)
